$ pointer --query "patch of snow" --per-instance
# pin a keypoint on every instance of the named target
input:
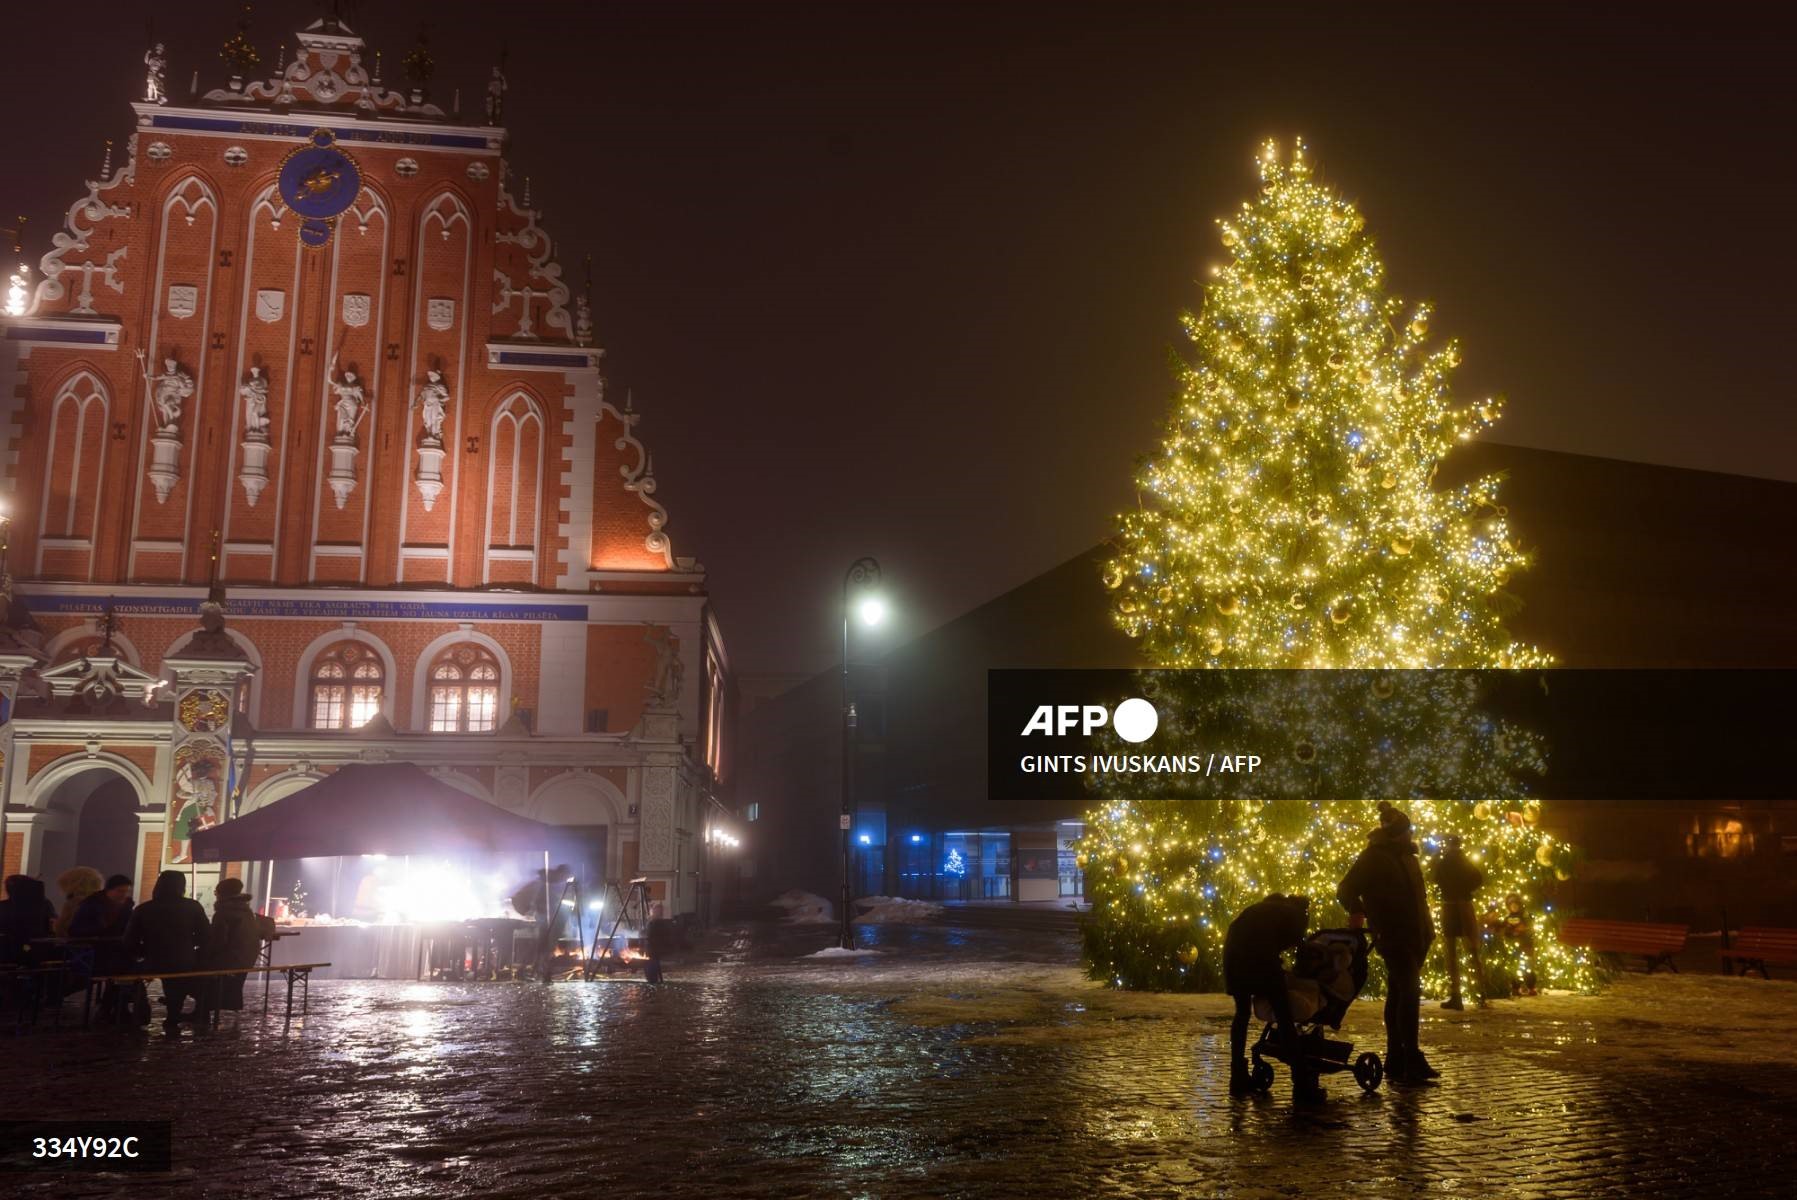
(805, 908)
(888, 910)
(839, 952)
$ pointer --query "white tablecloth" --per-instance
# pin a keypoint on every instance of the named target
(354, 951)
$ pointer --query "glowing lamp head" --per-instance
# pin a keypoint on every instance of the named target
(871, 610)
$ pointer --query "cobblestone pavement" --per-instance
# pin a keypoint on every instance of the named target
(952, 1064)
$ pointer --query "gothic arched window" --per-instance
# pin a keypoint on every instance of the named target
(464, 683)
(347, 683)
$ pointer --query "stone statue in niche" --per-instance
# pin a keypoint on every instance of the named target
(255, 402)
(351, 403)
(167, 393)
(433, 399)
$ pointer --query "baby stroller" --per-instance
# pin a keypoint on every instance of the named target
(1329, 971)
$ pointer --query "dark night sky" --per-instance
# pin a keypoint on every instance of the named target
(901, 279)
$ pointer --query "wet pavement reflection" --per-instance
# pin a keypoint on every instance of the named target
(953, 1063)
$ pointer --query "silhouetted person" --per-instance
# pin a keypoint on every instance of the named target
(1459, 882)
(77, 884)
(234, 940)
(25, 914)
(1253, 966)
(1385, 887)
(166, 934)
(103, 917)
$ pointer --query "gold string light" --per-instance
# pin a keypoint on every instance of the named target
(1290, 521)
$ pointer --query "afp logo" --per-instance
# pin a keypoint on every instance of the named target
(1135, 720)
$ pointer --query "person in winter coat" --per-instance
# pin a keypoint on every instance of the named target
(103, 917)
(25, 914)
(1459, 881)
(1385, 888)
(235, 940)
(166, 934)
(1253, 966)
(77, 884)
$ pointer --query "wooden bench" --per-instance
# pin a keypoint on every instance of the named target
(1655, 943)
(1759, 946)
(300, 973)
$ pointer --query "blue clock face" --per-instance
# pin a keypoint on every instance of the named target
(318, 181)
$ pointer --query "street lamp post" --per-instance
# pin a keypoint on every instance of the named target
(863, 573)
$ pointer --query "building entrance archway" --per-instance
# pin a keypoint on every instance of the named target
(89, 819)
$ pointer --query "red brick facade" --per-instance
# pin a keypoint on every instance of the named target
(524, 532)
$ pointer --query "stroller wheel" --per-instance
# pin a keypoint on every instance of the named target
(1368, 1072)
(1262, 1075)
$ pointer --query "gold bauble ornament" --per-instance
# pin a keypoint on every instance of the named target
(1230, 238)
(1314, 516)
(1188, 955)
(1482, 811)
(1122, 865)
(1293, 403)
(1339, 614)
(1531, 815)
(1081, 860)
(1389, 482)
(1364, 375)
(1356, 222)
(1113, 576)
(1126, 605)
(1304, 752)
(1544, 854)
(1336, 360)
(1235, 504)
(1216, 645)
(1164, 594)
(1297, 599)
(1229, 606)
(1562, 874)
(1237, 344)
(1382, 688)
(1401, 546)
(1453, 358)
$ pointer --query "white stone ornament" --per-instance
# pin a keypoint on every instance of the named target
(236, 156)
(356, 306)
(159, 152)
(254, 475)
(478, 170)
(351, 406)
(167, 393)
(271, 305)
(433, 399)
(439, 313)
(183, 300)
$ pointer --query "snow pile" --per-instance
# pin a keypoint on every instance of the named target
(839, 952)
(894, 910)
(805, 908)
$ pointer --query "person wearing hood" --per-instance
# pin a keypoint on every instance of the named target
(235, 940)
(77, 884)
(166, 934)
(1385, 888)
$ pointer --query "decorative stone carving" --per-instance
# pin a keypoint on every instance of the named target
(356, 307)
(439, 313)
(183, 300)
(670, 672)
(156, 75)
(167, 392)
(433, 400)
(254, 475)
(271, 305)
(351, 406)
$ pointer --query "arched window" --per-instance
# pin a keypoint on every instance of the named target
(347, 683)
(464, 685)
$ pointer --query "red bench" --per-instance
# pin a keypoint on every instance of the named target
(1656, 943)
(1757, 947)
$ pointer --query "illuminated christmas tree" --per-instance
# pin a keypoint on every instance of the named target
(1291, 520)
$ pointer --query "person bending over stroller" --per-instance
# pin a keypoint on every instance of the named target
(1252, 967)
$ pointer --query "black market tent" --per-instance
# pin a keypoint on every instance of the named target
(373, 808)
